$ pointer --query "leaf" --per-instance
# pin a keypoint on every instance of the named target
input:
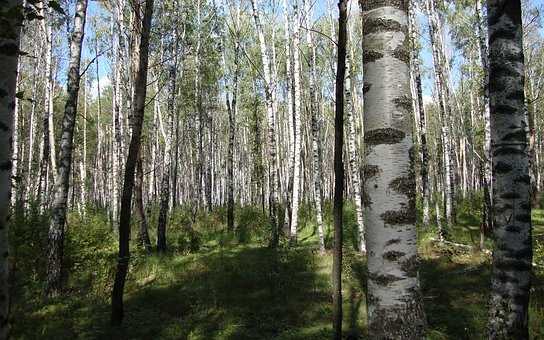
(56, 6)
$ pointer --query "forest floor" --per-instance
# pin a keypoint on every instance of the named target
(229, 290)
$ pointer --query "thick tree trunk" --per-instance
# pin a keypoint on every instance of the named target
(132, 158)
(9, 55)
(395, 309)
(512, 255)
(60, 200)
(339, 170)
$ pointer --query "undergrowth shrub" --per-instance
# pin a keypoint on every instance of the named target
(251, 223)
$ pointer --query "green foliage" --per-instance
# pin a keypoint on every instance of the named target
(230, 286)
(251, 224)
(90, 249)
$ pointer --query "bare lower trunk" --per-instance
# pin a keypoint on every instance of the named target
(297, 129)
(395, 309)
(60, 200)
(270, 105)
(339, 171)
(353, 164)
(9, 41)
(143, 234)
(512, 255)
(132, 158)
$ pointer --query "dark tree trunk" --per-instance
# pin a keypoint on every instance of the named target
(130, 167)
(339, 171)
(9, 58)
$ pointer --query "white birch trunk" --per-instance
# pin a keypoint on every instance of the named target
(9, 53)
(395, 308)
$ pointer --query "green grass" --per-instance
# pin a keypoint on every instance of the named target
(242, 290)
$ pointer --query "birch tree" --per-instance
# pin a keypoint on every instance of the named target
(395, 308)
(269, 89)
(297, 126)
(60, 201)
(9, 57)
(512, 255)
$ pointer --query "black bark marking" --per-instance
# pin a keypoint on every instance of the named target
(510, 195)
(367, 5)
(384, 279)
(523, 179)
(384, 136)
(508, 151)
(366, 87)
(404, 216)
(410, 266)
(370, 56)
(403, 185)
(393, 255)
(376, 25)
(519, 135)
(370, 171)
(403, 102)
(513, 229)
(402, 53)
(502, 167)
(516, 95)
(393, 241)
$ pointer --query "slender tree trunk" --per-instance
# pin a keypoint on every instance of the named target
(60, 200)
(15, 147)
(165, 183)
(316, 141)
(420, 113)
(488, 159)
(9, 55)
(512, 255)
(231, 108)
(395, 309)
(289, 113)
(132, 158)
(353, 164)
(339, 170)
(270, 105)
(297, 128)
(143, 234)
(441, 70)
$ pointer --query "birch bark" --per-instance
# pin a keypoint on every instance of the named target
(395, 309)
